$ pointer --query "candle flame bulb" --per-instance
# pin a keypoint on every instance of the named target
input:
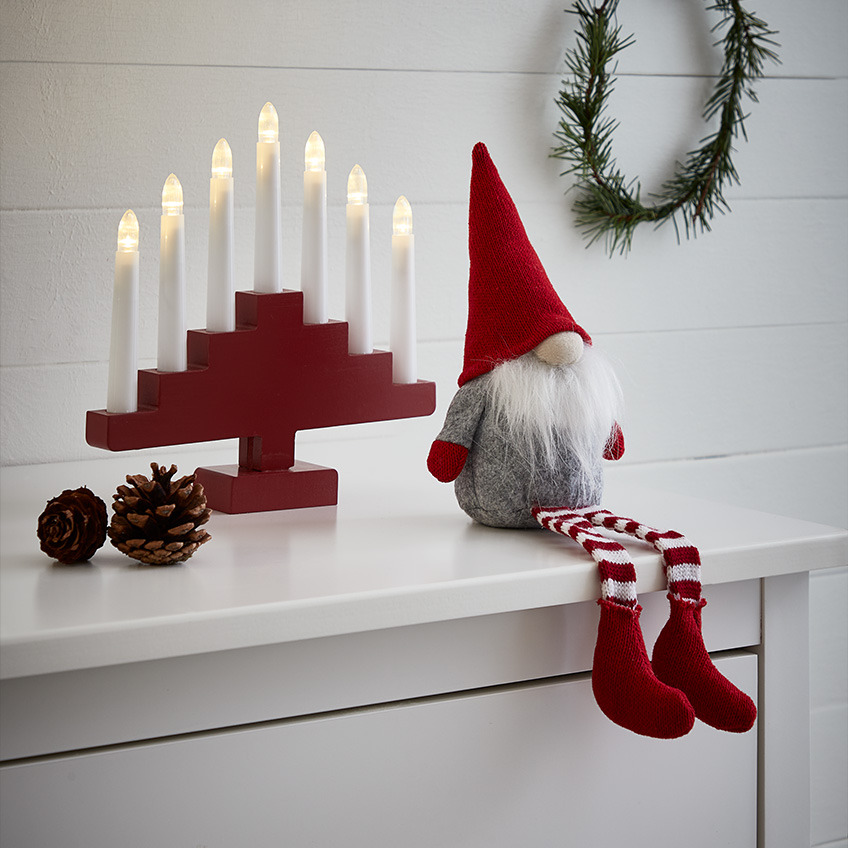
(128, 233)
(222, 159)
(172, 196)
(314, 153)
(269, 124)
(357, 187)
(402, 217)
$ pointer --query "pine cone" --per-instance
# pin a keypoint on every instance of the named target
(73, 526)
(157, 521)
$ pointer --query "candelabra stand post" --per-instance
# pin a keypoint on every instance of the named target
(259, 453)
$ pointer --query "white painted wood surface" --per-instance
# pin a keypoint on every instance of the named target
(395, 552)
(45, 714)
(330, 34)
(392, 579)
(784, 761)
(525, 765)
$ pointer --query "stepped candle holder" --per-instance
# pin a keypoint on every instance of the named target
(261, 383)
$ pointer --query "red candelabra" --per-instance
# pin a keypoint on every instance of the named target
(270, 377)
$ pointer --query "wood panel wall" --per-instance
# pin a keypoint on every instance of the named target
(744, 327)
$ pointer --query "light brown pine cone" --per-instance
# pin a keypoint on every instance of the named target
(157, 521)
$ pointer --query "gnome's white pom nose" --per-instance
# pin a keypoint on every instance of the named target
(560, 349)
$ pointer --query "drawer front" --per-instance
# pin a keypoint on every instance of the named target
(526, 765)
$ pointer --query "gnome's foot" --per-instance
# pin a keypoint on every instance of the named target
(681, 660)
(625, 687)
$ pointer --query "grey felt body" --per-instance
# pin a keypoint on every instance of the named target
(496, 486)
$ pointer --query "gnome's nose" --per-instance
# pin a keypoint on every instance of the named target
(560, 349)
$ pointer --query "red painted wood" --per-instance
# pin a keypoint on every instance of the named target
(237, 489)
(272, 376)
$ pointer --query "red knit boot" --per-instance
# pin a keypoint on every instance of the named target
(625, 687)
(681, 660)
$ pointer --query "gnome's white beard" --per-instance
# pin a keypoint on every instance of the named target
(548, 409)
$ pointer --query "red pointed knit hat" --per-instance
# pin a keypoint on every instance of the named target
(512, 306)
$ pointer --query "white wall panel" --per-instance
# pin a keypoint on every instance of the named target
(829, 701)
(829, 635)
(809, 483)
(829, 776)
(474, 35)
(91, 136)
(682, 400)
(710, 393)
(747, 272)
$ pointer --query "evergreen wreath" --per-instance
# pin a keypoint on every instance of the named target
(608, 205)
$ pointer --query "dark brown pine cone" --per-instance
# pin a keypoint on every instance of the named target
(73, 526)
(157, 521)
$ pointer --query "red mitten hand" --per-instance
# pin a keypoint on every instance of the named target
(446, 460)
(615, 443)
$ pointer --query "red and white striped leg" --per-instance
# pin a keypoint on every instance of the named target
(623, 682)
(680, 657)
(618, 576)
(681, 558)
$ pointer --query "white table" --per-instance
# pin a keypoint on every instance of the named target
(384, 672)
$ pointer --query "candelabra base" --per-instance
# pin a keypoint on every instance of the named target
(232, 489)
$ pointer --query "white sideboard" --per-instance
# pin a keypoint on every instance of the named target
(384, 673)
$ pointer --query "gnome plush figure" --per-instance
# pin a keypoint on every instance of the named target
(524, 440)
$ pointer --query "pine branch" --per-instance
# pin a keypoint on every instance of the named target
(609, 206)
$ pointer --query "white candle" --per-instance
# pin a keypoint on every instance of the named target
(402, 337)
(172, 308)
(313, 260)
(358, 264)
(267, 257)
(220, 288)
(122, 390)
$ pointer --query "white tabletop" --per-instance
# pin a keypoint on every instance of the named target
(396, 551)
